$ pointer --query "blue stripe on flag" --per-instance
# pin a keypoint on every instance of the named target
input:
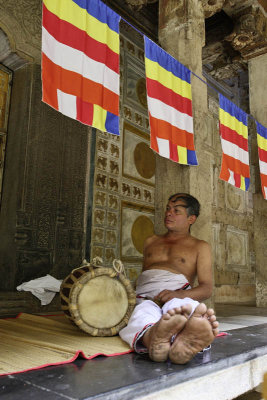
(112, 123)
(262, 131)
(247, 182)
(233, 110)
(157, 54)
(101, 12)
(191, 157)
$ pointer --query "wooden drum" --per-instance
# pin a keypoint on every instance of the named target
(99, 300)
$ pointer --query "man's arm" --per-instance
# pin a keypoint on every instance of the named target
(204, 274)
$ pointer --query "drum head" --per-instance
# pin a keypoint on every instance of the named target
(102, 302)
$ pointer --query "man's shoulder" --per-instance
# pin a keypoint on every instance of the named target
(201, 244)
(153, 238)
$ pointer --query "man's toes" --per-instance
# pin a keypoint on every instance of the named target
(210, 312)
(186, 310)
(215, 324)
(212, 318)
(200, 310)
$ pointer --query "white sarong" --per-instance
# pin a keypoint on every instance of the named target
(147, 313)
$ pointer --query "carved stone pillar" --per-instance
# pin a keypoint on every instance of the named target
(182, 34)
(258, 105)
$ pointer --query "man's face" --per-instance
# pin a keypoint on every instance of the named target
(176, 218)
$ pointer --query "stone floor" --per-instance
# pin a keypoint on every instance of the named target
(234, 365)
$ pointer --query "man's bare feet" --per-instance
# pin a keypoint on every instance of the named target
(158, 338)
(200, 330)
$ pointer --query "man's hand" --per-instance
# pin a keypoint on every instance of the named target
(167, 295)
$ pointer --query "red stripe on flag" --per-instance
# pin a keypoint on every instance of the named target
(160, 92)
(232, 136)
(179, 137)
(263, 180)
(237, 178)
(173, 152)
(54, 77)
(85, 112)
(70, 35)
(262, 154)
(234, 165)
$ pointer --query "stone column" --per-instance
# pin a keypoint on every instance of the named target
(182, 34)
(258, 106)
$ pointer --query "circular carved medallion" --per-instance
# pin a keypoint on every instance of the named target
(142, 228)
(145, 160)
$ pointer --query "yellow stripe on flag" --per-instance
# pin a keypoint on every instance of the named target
(182, 155)
(242, 183)
(231, 122)
(262, 142)
(99, 118)
(69, 11)
(168, 79)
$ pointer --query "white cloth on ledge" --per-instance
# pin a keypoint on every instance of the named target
(44, 288)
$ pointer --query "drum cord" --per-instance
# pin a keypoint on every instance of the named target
(98, 262)
(118, 267)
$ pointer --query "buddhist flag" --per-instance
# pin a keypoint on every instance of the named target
(80, 61)
(262, 150)
(234, 139)
(170, 105)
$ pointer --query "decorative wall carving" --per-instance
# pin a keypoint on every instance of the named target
(211, 7)
(237, 248)
(139, 160)
(137, 223)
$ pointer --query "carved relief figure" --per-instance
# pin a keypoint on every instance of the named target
(99, 217)
(136, 192)
(98, 235)
(110, 255)
(102, 163)
(111, 237)
(127, 113)
(115, 152)
(102, 145)
(114, 167)
(147, 195)
(101, 180)
(113, 184)
(112, 219)
(138, 119)
(113, 202)
(126, 189)
(100, 198)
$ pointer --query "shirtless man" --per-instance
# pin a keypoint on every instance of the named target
(169, 322)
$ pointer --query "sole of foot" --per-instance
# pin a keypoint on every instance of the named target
(158, 338)
(199, 331)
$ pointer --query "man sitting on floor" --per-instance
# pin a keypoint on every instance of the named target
(168, 321)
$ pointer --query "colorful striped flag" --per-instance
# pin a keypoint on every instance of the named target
(80, 61)
(170, 105)
(234, 139)
(262, 150)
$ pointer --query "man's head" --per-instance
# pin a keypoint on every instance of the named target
(191, 203)
(181, 212)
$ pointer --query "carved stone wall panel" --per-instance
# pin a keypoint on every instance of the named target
(124, 168)
(261, 293)
(235, 198)
(137, 223)
(23, 22)
(237, 249)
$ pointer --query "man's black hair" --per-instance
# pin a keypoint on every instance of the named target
(192, 204)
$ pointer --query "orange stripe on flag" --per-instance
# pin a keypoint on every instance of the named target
(176, 136)
(73, 83)
(234, 165)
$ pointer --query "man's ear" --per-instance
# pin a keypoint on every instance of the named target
(192, 219)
